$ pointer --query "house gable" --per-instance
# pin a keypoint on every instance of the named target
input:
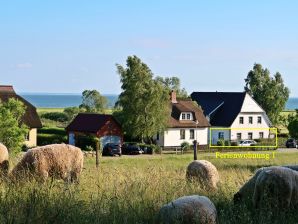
(250, 105)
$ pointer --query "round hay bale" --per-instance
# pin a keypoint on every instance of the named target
(204, 173)
(188, 209)
(4, 163)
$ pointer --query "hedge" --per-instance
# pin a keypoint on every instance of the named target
(46, 139)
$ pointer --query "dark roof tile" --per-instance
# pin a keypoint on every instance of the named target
(89, 122)
(227, 104)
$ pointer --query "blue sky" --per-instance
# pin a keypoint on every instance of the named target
(67, 46)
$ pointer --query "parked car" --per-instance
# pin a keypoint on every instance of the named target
(291, 143)
(146, 149)
(131, 149)
(247, 143)
(111, 149)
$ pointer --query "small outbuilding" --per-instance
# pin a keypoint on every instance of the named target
(103, 126)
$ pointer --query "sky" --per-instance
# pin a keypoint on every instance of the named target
(67, 46)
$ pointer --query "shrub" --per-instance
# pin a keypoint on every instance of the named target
(157, 148)
(227, 143)
(46, 139)
(86, 142)
(221, 142)
(55, 116)
(185, 146)
(54, 131)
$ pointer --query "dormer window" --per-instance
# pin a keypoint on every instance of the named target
(183, 116)
(186, 116)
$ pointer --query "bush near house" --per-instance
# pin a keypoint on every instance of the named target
(86, 143)
(55, 116)
(185, 146)
(46, 136)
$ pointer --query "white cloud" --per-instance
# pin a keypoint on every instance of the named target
(25, 65)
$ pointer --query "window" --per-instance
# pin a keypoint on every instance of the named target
(157, 136)
(250, 135)
(261, 134)
(221, 135)
(238, 136)
(182, 134)
(27, 136)
(250, 120)
(183, 116)
(188, 116)
(259, 120)
(240, 120)
(191, 134)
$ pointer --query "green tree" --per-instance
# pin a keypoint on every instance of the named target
(173, 83)
(72, 112)
(270, 92)
(293, 128)
(12, 131)
(144, 102)
(93, 101)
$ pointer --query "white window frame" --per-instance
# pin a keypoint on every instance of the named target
(250, 120)
(191, 136)
(182, 136)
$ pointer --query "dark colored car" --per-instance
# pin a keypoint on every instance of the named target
(111, 149)
(146, 149)
(291, 143)
(131, 149)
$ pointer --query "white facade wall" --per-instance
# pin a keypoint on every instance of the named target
(250, 108)
(255, 128)
(171, 137)
(32, 138)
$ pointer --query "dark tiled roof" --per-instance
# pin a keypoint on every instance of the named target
(89, 122)
(187, 106)
(31, 118)
(228, 106)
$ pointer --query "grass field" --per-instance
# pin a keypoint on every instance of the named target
(47, 110)
(131, 189)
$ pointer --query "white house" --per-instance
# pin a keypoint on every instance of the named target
(233, 116)
(186, 124)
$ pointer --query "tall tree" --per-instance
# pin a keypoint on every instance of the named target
(143, 100)
(93, 101)
(269, 92)
(173, 83)
(12, 131)
(72, 112)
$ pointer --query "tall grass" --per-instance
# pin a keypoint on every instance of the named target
(131, 190)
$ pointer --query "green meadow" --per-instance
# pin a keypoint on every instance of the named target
(131, 189)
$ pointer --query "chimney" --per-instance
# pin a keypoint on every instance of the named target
(173, 97)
